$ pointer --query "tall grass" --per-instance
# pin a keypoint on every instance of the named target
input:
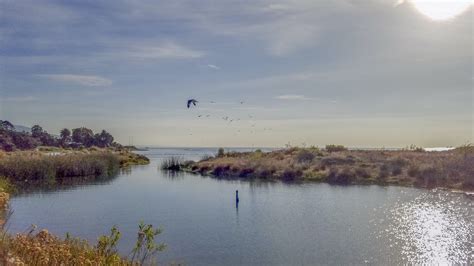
(21, 166)
(173, 163)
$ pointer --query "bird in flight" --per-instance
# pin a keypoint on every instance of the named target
(192, 101)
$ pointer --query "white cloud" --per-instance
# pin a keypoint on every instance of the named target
(165, 50)
(213, 66)
(292, 97)
(79, 79)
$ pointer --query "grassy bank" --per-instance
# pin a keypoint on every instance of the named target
(337, 165)
(41, 166)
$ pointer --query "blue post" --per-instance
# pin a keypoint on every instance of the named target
(236, 197)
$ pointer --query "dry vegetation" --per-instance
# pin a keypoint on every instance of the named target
(43, 248)
(451, 169)
(41, 166)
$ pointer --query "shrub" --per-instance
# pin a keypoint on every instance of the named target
(203, 169)
(265, 173)
(337, 161)
(44, 248)
(335, 148)
(221, 171)
(220, 152)
(246, 172)
(290, 174)
(430, 177)
(344, 177)
(106, 246)
(304, 156)
(468, 183)
(396, 170)
(362, 172)
(384, 171)
(413, 171)
(414, 148)
(145, 247)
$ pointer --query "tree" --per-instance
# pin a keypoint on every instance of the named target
(83, 135)
(65, 135)
(104, 139)
(24, 141)
(48, 140)
(36, 131)
(6, 125)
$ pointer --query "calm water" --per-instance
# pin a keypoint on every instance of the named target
(275, 223)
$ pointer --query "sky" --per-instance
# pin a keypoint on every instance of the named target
(365, 73)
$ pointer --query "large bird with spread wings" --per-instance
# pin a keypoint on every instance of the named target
(191, 101)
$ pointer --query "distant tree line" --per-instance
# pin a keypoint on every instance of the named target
(11, 140)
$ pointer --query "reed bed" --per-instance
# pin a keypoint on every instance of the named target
(20, 166)
(172, 163)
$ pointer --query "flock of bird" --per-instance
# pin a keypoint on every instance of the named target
(193, 103)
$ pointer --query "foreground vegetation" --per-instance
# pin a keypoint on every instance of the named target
(338, 165)
(43, 248)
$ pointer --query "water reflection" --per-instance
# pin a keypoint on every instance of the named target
(173, 175)
(63, 184)
(434, 228)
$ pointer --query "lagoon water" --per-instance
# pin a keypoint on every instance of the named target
(275, 223)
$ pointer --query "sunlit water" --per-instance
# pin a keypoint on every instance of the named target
(274, 224)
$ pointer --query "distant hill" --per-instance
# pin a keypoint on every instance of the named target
(20, 128)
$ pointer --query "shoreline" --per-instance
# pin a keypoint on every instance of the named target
(41, 246)
(449, 170)
(467, 193)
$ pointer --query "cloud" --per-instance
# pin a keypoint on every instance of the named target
(19, 99)
(399, 2)
(292, 97)
(84, 80)
(213, 66)
(165, 50)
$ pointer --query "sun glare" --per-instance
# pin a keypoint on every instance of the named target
(441, 9)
